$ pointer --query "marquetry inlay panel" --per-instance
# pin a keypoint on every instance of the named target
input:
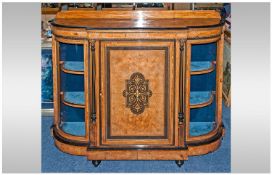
(136, 99)
(137, 93)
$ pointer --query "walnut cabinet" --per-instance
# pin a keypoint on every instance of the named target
(138, 85)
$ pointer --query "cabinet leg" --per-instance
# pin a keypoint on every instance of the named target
(179, 162)
(96, 162)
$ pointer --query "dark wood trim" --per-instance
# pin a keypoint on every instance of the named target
(181, 100)
(53, 23)
(183, 107)
(134, 39)
(93, 113)
(68, 37)
(99, 92)
(90, 148)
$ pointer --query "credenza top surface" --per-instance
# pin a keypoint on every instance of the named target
(175, 19)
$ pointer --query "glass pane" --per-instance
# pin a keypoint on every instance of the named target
(203, 86)
(72, 120)
(72, 110)
(71, 52)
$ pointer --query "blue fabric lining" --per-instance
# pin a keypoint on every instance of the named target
(200, 128)
(199, 97)
(71, 82)
(71, 52)
(74, 65)
(74, 128)
(75, 97)
(204, 52)
(200, 65)
(204, 114)
(203, 82)
(71, 114)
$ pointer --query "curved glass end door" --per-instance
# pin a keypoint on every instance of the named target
(203, 89)
(71, 82)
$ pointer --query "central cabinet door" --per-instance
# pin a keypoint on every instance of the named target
(137, 93)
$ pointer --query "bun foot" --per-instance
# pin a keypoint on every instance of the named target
(179, 162)
(96, 162)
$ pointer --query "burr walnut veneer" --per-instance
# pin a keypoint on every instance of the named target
(137, 85)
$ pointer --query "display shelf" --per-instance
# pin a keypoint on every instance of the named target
(73, 67)
(197, 98)
(74, 128)
(202, 67)
(200, 98)
(201, 128)
(74, 99)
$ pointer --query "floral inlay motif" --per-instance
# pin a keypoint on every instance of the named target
(137, 93)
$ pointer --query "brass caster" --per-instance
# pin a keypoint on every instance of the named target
(96, 162)
(179, 162)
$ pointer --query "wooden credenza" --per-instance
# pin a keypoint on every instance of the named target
(137, 85)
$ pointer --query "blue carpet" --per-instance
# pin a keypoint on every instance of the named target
(54, 160)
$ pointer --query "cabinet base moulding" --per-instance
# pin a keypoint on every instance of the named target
(71, 149)
(139, 154)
